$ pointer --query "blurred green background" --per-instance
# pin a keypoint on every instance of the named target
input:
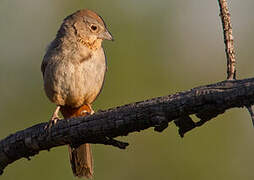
(161, 47)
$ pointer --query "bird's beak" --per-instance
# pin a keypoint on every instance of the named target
(106, 35)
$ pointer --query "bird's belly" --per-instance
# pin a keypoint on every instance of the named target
(75, 84)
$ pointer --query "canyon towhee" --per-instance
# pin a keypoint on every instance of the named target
(73, 71)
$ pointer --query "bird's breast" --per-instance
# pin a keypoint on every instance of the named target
(78, 81)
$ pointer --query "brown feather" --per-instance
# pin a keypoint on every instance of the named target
(81, 160)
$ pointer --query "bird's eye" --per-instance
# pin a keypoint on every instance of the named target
(93, 27)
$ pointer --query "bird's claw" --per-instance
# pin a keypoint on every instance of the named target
(53, 119)
(52, 122)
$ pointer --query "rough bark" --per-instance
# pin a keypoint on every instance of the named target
(228, 39)
(206, 102)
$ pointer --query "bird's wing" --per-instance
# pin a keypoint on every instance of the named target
(46, 58)
(44, 65)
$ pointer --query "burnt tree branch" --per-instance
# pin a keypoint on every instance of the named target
(206, 102)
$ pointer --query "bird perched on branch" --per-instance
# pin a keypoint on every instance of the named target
(73, 71)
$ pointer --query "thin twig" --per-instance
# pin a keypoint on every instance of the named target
(228, 39)
(251, 113)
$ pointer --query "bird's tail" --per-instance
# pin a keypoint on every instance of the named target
(81, 160)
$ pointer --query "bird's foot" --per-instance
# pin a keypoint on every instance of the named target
(91, 109)
(53, 119)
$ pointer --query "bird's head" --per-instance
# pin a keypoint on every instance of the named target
(87, 27)
(88, 24)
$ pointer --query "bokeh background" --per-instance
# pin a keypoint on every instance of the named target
(161, 47)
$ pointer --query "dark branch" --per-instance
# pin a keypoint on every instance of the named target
(206, 102)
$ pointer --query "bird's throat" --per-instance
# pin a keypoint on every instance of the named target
(91, 44)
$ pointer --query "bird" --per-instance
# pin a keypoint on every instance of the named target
(73, 70)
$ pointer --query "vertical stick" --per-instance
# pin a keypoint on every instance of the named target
(228, 39)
